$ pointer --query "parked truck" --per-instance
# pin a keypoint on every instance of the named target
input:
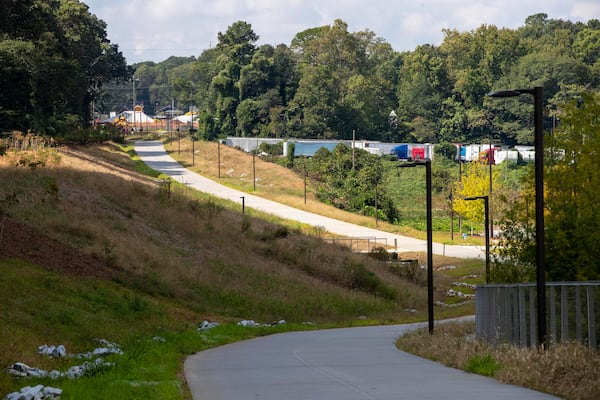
(412, 151)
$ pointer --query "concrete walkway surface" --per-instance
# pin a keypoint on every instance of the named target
(154, 155)
(346, 364)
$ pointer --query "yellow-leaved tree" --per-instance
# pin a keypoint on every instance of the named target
(475, 182)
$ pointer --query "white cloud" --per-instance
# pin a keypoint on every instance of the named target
(585, 10)
(156, 29)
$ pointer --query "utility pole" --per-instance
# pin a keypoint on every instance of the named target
(133, 103)
(353, 140)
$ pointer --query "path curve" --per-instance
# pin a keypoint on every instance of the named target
(348, 363)
(154, 155)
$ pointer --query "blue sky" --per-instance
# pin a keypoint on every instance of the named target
(153, 30)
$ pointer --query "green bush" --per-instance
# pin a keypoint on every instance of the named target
(363, 279)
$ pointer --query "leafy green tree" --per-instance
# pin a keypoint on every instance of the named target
(248, 117)
(423, 85)
(587, 45)
(15, 83)
(348, 188)
(314, 103)
(455, 121)
(476, 59)
(514, 117)
(346, 83)
(237, 47)
(446, 151)
(572, 222)
(238, 42)
(72, 60)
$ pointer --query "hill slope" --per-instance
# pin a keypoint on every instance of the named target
(90, 232)
(91, 248)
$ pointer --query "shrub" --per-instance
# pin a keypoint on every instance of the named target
(483, 365)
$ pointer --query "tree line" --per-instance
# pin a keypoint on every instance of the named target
(330, 82)
(57, 67)
(54, 60)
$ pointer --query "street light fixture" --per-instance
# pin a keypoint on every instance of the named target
(133, 81)
(487, 233)
(537, 93)
(427, 164)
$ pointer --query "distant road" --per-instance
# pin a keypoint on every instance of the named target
(155, 156)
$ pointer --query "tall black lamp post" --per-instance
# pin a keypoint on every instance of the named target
(487, 232)
(219, 158)
(537, 93)
(254, 170)
(193, 147)
(427, 164)
(192, 132)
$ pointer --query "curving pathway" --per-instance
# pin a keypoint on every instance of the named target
(155, 156)
(350, 363)
(346, 364)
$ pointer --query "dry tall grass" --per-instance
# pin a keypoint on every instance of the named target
(568, 370)
(272, 180)
(279, 184)
(186, 247)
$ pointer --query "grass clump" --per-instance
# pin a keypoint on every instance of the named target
(483, 365)
(568, 370)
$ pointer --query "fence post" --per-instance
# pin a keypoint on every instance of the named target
(591, 318)
(564, 314)
(553, 334)
(578, 333)
(522, 319)
(532, 318)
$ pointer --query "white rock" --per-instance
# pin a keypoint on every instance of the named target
(254, 324)
(205, 325)
(23, 370)
(39, 392)
(54, 374)
(52, 351)
(248, 322)
(104, 351)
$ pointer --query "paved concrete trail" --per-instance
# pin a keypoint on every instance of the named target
(337, 364)
(154, 155)
(346, 364)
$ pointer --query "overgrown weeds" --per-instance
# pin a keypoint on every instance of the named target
(568, 370)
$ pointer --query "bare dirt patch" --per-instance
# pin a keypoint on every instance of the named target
(23, 242)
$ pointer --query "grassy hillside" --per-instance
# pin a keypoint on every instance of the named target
(90, 248)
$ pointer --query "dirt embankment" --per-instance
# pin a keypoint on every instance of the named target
(24, 242)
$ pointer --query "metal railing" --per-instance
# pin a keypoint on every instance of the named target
(359, 244)
(507, 312)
